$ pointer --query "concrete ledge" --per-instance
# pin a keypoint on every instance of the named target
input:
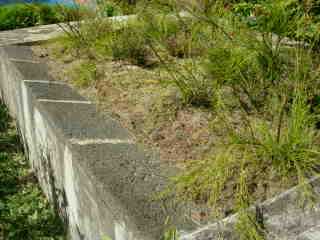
(81, 121)
(51, 90)
(18, 52)
(31, 70)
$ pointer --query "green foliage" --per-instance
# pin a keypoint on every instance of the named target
(101, 39)
(178, 36)
(87, 38)
(4, 119)
(275, 17)
(207, 186)
(171, 234)
(12, 17)
(249, 66)
(107, 9)
(128, 43)
(194, 84)
(85, 75)
(292, 149)
(171, 37)
(266, 86)
(127, 7)
(247, 225)
(24, 211)
(295, 19)
(283, 149)
(26, 15)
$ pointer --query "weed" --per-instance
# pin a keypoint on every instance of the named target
(85, 74)
(107, 9)
(129, 44)
(81, 36)
(171, 234)
(178, 36)
(195, 86)
(247, 226)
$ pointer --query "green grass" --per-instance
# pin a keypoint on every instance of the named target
(24, 211)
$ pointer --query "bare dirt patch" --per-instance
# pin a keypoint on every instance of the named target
(141, 100)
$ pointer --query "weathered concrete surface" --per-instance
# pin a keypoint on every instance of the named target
(90, 168)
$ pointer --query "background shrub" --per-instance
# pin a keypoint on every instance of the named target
(14, 16)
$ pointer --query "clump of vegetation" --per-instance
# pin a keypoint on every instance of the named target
(128, 43)
(14, 16)
(24, 211)
(234, 60)
(102, 39)
(85, 74)
(275, 138)
(302, 17)
(108, 9)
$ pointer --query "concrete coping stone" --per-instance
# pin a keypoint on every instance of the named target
(131, 174)
(19, 52)
(52, 90)
(31, 70)
(82, 121)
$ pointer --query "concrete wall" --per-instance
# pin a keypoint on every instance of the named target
(97, 178)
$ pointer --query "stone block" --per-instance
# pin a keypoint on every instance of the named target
(53, 90)
(82, 121)
(32, 70)
(19, 52)
(133, 177)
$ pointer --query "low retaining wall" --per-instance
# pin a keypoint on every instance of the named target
(99, 180)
